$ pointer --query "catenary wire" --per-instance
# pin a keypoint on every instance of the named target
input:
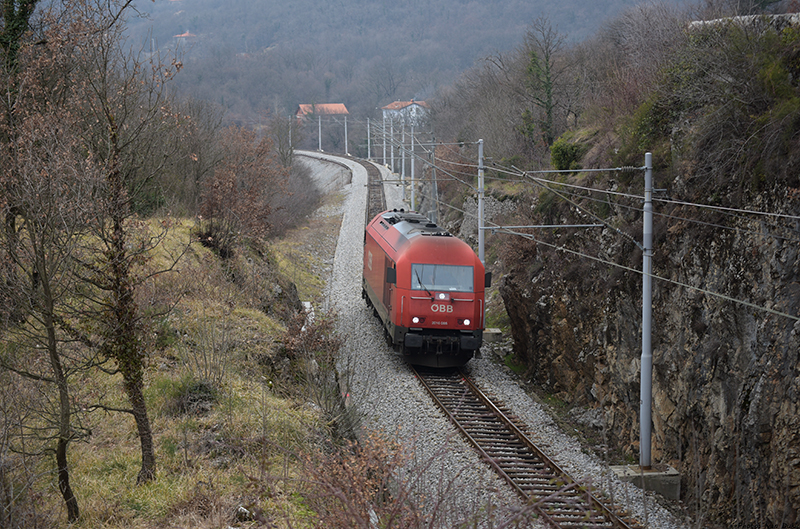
(545, 183)
(727, 211)
(671, 216)
(627, 268)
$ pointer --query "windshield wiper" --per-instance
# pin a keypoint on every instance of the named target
(416, 273)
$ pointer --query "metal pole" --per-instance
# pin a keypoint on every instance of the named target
(403, 152)
(480, 201)
(646, 389)
(537, 226)
(369, 144)
(320, 131)
(435, 186)
(346, 150)
(391, 142)
(384, 139)
(412, 168)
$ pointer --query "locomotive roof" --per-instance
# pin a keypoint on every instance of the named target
(411, 223)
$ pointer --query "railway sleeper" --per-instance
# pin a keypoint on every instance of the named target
(532, 474)
(576, 514)
(528, 473)
(581, 523)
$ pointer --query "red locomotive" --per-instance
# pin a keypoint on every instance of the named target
(426, 286)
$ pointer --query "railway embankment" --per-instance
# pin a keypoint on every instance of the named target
(328, 174)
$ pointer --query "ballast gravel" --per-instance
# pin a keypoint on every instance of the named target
(458, 487)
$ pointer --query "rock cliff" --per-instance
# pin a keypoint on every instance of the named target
(726, 374)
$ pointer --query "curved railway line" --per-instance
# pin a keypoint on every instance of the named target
(500, 439)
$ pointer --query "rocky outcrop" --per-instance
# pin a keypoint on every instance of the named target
(726, 375)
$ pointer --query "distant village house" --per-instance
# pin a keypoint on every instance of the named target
(318, 110)
(305, 112)
(407, 112)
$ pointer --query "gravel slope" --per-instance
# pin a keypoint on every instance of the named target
(390, 399)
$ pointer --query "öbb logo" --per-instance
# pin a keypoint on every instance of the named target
(441, 307)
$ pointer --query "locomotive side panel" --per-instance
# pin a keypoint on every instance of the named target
(376, 288)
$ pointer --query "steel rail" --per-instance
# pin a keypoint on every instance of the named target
(535, 449)
(556, 493)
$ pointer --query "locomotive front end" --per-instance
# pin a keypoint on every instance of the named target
(440, 290)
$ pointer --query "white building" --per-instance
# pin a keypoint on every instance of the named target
(412, 112)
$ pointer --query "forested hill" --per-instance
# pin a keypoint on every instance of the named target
(250, 55)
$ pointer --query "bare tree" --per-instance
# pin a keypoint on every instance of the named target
(126, 113)
(53, 190)
(543, 45)
(16, 15)
(644, 39)
(285, 134)
(523, 98)
(48, 188)
(385, 79)
(236, 202)
(197, 154)
(48, 204)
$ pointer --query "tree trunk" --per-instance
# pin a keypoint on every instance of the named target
(10, 273)
(136, 398)
(126, 343)
(5, 496)
(63, 481)
(127, 348)
(64, 410)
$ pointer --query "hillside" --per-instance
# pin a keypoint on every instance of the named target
(250, 56)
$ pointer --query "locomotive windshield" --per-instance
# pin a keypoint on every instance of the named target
(450, 278)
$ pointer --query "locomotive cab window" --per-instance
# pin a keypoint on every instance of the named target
(449, 278)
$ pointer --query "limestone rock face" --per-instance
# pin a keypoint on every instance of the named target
(726, 374)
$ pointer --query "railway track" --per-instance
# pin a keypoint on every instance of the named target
(550, 491)
(376, 199)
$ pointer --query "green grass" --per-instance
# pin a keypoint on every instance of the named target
(515, 366)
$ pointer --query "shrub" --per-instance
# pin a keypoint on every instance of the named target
(565, 155)
(236, 202)
(192, 397)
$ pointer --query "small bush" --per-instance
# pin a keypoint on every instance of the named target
(565, 155)
(546, 203)
(193, 397)
(217, 235)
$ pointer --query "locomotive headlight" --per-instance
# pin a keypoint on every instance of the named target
(467, 322)
(442, 295)
(415, 319)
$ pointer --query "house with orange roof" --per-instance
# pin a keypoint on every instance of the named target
(321, 109)
(183, 38)
(406, 112)
(318, 110)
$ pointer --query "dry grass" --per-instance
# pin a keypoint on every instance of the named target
(224, 440)
(210, 463)
(305, 254)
